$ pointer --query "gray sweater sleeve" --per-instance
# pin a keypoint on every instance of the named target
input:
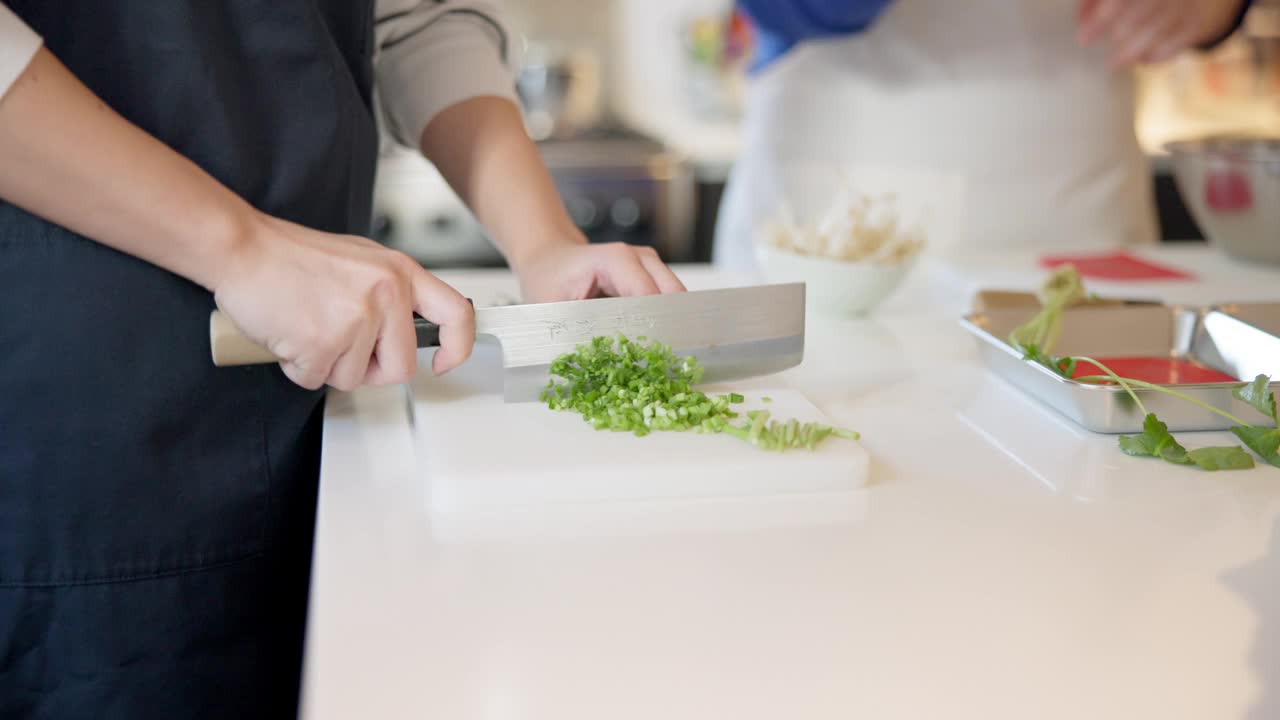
(432, 54)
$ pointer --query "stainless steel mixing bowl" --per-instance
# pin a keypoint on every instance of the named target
(1232, 186)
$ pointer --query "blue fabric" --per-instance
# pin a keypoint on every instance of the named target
(781, 24)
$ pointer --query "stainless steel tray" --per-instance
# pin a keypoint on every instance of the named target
(1229, 338)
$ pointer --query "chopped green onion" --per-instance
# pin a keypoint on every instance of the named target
(760, 417)
(621, 385)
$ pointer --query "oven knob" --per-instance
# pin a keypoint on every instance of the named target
(585, 214)
(625, 213)
(443, 224)
(383, 228)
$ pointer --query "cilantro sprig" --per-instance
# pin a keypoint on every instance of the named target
(1036, 337)
(1063, 289)
(642, 387)
(1156, 440)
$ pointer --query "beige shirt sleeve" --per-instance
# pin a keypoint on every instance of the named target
(432, 54)
(18, 44)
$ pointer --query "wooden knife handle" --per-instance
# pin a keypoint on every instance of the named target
(230, 347)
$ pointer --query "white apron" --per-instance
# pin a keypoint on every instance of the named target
(985, 113)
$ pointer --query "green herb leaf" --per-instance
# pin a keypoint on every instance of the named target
(1221, 458)
(1033, 353)
(1155, 441)
(1258, 394)
(1137, 445)
(1262, 440)
(1066, 366)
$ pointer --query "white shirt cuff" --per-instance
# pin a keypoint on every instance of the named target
(18, 44)
(457, 56)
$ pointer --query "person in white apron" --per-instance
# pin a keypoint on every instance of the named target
(1016, 113)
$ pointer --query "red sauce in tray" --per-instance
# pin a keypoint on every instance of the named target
(1158, 370)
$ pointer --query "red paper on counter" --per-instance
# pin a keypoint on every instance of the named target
(1115, 266)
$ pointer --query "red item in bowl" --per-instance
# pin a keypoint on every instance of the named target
(1228, 190)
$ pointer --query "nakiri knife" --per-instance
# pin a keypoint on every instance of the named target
(735, 333)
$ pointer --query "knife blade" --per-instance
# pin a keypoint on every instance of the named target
(735, 333)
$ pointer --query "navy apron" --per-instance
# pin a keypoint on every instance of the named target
(156, 512)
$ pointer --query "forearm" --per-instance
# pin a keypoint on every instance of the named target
(480, 146)
(67, 157)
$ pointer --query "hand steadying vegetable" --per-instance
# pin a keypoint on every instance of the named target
(627, 386)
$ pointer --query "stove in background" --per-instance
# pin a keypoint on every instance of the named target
(616, 184)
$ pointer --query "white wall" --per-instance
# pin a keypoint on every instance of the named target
(568, 26)
(645, 80)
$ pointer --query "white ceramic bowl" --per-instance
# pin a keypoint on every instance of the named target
(834, 287)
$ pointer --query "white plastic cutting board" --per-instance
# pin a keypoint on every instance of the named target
(478, 452)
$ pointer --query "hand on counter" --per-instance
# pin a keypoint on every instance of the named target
(1152, 31)
(480, 146)
(577, 271)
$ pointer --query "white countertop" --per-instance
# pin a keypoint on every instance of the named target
(1002, 564)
